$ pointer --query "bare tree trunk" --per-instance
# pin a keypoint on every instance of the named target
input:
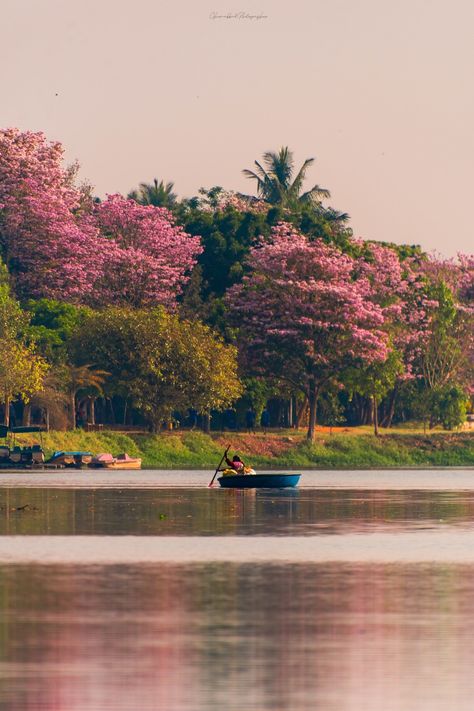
(375, 416)
(26, 415)
(359, 408)
(313, 404)
(302, 412)
(387, 420)
(368, 412)
(125, 412)
(6, 417)
(112, 411)
(72, 405)
(290, 412)
(92, 410)
(206, 422)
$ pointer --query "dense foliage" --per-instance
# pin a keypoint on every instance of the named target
(137, 309)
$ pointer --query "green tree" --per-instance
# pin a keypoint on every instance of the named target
(52, 400)
(451, 406)
(331, 410)
(13, 320)
(447, 349)
(157, 193)
(226, 237)
(22, 370)
(52, 325)
(278, 184)
(81, 377)
(21, 373)
(158, 362)
(257, 392)
(375, 381)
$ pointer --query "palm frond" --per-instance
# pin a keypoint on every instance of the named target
(297, 183)
(315, 195)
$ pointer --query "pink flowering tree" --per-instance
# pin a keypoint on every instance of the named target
(56, 244)
(401, 294)
(428, 317)
(447, 357)
(305, 315)
(47, 239)
(147, 258)
(457, 274)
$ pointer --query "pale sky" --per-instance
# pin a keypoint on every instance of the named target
(379, 91)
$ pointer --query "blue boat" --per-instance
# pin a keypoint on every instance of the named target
(70, 459)
(258, 481)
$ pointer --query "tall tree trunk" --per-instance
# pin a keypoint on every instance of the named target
(290, 412)
(313, 404)
(47, 419)
(26, 415)
(368, 412)
(92, 410)
(72, 405)
(302, 412)
(387, 420)
(125, 412)
(112, 411)
(359, 406)
(206, 422)
(375, 416)
(6, 417)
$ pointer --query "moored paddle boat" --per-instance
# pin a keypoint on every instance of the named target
(123, 461)
(267, 480)
(71, 460)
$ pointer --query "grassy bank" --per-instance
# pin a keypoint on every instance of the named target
(348, 448)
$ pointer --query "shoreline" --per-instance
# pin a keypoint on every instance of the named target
(344, 449)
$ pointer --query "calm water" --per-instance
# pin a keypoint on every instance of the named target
(150, 591)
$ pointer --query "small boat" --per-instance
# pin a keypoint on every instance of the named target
(70, 459)
(100, 460)
(121, 461)
(37, 454)
(4, 452)
(258, 481)
(15, 455)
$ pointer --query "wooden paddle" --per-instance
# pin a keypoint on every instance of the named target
(219, 466)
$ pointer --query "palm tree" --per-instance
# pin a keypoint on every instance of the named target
(156, 193)
(82, 377)
(275, 182)
(52, 400)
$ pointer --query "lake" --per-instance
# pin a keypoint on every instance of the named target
(150, 591)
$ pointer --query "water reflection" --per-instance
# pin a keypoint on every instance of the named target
(234, 634)
(175, 512)
(225, 636)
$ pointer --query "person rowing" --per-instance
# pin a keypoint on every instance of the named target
(236, 463)
(236, 466)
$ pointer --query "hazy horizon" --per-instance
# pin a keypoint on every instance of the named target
(380, 94)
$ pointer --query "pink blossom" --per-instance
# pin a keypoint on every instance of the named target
(306, 311)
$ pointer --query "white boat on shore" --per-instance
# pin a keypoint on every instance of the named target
(105, 460)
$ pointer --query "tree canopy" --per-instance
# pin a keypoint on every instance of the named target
(159, 362)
